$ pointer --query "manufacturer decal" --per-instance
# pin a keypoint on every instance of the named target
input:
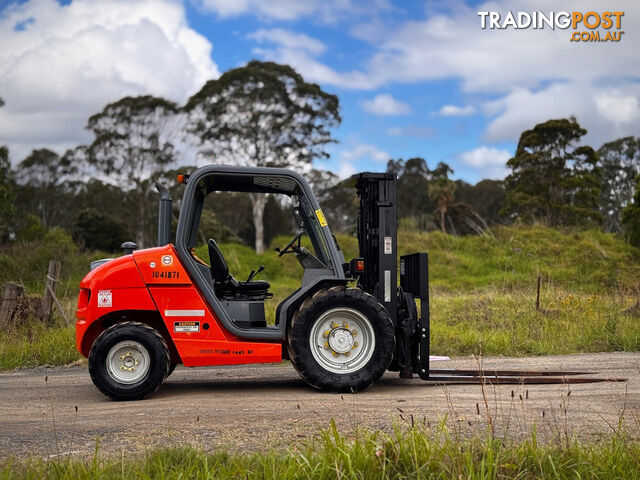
(167, 260)
(104, 298)
(321, 219)
(189, 327)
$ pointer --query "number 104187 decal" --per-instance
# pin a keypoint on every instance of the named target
(169, 275)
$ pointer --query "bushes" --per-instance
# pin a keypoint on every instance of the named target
(27, 262)
(97, 231)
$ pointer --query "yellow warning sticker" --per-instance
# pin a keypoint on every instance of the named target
(321, 219)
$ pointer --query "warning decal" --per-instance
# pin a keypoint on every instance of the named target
(321, 219)
(388, 247)
(104, 298)
(186, 326)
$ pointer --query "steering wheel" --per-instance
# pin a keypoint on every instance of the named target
(290, 246)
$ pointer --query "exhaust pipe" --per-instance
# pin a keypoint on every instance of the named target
(164, 216)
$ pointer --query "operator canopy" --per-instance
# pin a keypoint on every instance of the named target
(225, 182)
(220, 178)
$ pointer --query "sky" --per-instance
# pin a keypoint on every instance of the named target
(414, 78)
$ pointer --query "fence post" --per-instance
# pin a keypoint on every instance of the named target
(49, 290)
(11, 298)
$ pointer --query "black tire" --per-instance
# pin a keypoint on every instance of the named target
(335, 301)
(153, 359)
(172, 367)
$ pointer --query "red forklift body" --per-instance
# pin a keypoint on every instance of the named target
(144, 313)
(154, 280)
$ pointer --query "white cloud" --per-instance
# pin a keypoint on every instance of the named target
(288, 39)
(311, 68)
(451, 44)
(280, 10)
(420, 131)
(526, 63)
(365, 151)
(346, 169)
(320, 10)
(489, 162)
(485, 156)
(606, 112)
(455, 111)
(69, 61)
(618, 108)
(385, 104)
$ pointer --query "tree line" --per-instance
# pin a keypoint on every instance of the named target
(265, 114)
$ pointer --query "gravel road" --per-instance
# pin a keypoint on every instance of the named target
(57, 410)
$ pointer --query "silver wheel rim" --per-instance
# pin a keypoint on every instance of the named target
(342, 340)
(128, 362)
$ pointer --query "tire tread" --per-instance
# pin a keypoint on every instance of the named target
(304, 363)
(93, 365)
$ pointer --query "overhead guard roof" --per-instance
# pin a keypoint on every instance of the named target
(260, 180)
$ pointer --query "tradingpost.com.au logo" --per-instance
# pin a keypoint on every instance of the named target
(583, 24)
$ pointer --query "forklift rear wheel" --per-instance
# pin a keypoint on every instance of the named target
(341, 340)
(129, 361)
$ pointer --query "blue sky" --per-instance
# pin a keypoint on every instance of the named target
(414, 78)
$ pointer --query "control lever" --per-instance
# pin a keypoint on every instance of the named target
(253, 274)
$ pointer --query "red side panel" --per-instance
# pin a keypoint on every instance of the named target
(113, 286)
(154, 279)
(120, 272)
(197, 335)
(196, 332)
(160, 266)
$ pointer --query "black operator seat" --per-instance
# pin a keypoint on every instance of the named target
(225, 285)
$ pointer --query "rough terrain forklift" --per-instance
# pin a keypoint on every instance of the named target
(143, 313)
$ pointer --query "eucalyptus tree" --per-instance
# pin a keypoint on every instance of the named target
(133, 145)
(631, 217)
(47, 186)
(552, 177)
(263, 114)
(620, 161)
(7, 199)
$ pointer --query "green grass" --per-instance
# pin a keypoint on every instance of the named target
(506, 259)
(35, 344)
(405, 453)
(493, 323)
(483, 290)
(511, 258)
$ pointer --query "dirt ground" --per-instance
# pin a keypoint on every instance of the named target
(56, 411)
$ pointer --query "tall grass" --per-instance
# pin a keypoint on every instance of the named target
(35, 344)
(494, 323)
(415, 452)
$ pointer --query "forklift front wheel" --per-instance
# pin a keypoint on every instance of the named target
(341, 340)
(129, 361)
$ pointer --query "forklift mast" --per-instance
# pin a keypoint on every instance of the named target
(377, 235)
(377, 242)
